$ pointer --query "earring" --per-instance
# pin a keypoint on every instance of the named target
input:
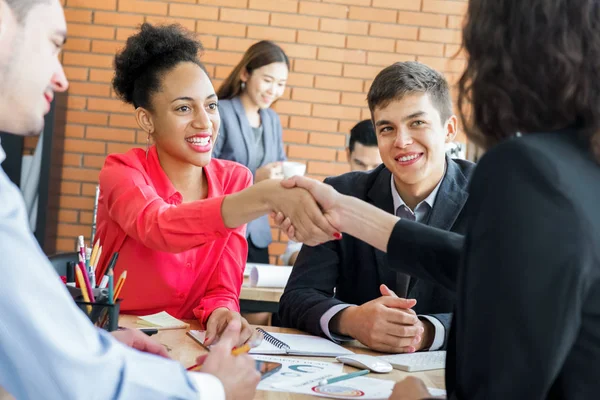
(147, 145)
(243, 86)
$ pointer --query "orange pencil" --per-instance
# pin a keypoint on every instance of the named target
(120, 284)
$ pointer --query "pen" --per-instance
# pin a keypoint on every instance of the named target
(111, 288)
(343, 377)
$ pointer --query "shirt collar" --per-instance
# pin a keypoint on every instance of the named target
(2, 153)
(163, 185)
(429, 200)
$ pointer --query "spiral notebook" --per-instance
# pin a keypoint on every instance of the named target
(290, 344)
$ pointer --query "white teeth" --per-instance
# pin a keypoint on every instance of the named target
(408, 158)
(202, 141)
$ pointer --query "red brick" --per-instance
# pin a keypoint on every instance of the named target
(80, 174)
(91, 31)
(73, 230)
(78, 15)
(341, 112)
(277, 248)
(93, 162)
(86, 217)
(385, 59)
(440, 35)
(76, 74)
(292, 107)
(222, 57)
(245, 16)
(89, 89)
(119, 147)
(70, 187)
(193, 11)
(410, 5)
(419, 48)
(312, 123)
(208, 42)
(454, 51)
(110, 134)
(107, 47)
(294, 136)
(421, 19)
(94, 4)
(354, 99)
(109, 105)
(322, 39)
(311, 153)
(65, 245)
(118, 19)
(352, 2)
(71, 160)
(342, 55)
(101, 75)
(344, 26)
(369, 43)
(288, 6)
(86, 117)
(189, 24)
(365, 114)
(455, 22)
(68, 216)
(123, 121)
(335, 83)
(318, 67)
(295, 51)
(144, 7)
(74, 131)
(270, 33)
(301, 80)
(329, 169)
(361, 71)
(394, 31)
(326, 139)
(294, 21)
(235, 44)
(76, 102)
(445, 7)
(87, 60)
(89, 189)
(85, 146)
(75, 44)
(221, 28)
(124, 33)
(226, 3)
(342, 156)
(323, 10)
(372, 14)
(222, 71)
(314, 95)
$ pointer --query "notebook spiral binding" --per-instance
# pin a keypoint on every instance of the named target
(273, 340)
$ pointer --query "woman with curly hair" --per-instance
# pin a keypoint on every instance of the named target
(175, 215)
(527, 273)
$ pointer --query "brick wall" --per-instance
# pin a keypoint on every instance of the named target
(336, 47)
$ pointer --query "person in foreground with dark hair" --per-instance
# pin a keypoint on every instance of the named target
(175, 215)
(362, 154)
(346, 290)
(251, 131)
(49, 348)
(527, 272)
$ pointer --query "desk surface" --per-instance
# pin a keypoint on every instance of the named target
(260, 294)
(182, 348)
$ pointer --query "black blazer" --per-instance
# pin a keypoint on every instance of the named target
(356, 270)
(527, 273)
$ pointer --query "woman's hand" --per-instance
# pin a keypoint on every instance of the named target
(410, 388)
(272, 170)
(219, 319)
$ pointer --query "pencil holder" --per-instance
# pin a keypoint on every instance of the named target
(103, 315)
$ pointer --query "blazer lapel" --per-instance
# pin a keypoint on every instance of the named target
(244, 125)
(450, 199)
(380, 195)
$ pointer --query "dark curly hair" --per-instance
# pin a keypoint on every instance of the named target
(533, 66)
(149, 54)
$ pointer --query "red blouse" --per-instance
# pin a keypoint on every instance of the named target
(179, 257)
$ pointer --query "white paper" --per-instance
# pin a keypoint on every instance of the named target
(269, 276)
(301, 345)
(250, 266)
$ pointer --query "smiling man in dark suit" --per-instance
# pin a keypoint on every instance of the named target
(345, 289)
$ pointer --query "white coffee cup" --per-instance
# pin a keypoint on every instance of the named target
(291, 168)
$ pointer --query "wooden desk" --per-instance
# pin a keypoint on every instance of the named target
(259, 299)
(184, 349)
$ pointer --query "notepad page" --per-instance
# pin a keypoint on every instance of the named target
(309, 345)
(162, 320)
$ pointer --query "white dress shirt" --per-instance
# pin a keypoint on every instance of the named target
(50, 349)
(421, 213)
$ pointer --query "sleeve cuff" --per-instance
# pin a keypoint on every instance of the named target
(203, 311)
(326, 318)
(209, 386)
(440, 332)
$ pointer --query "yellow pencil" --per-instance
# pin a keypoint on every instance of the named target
(83, 287)
(95, 265)
(241, 350)
(94, 253)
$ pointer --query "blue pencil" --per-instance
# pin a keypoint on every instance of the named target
(111, 288)
(344, 377)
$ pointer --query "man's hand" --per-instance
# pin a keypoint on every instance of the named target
(410, 388)
(218, 321)
(238, 374)
(272, 170)
(140, 341)
(385, 324)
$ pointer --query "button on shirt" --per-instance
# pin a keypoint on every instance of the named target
(50, 349)
(179, 257)
(420, 214)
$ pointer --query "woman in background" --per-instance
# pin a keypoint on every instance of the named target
(251, 132)
(175, 215)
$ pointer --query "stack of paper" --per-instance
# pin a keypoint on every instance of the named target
(162, 320)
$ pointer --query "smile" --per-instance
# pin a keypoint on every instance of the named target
(201, 141)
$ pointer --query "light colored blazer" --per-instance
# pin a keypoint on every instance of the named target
(233, 143)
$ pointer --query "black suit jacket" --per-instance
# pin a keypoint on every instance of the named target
(356, 270)
(527, 273)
